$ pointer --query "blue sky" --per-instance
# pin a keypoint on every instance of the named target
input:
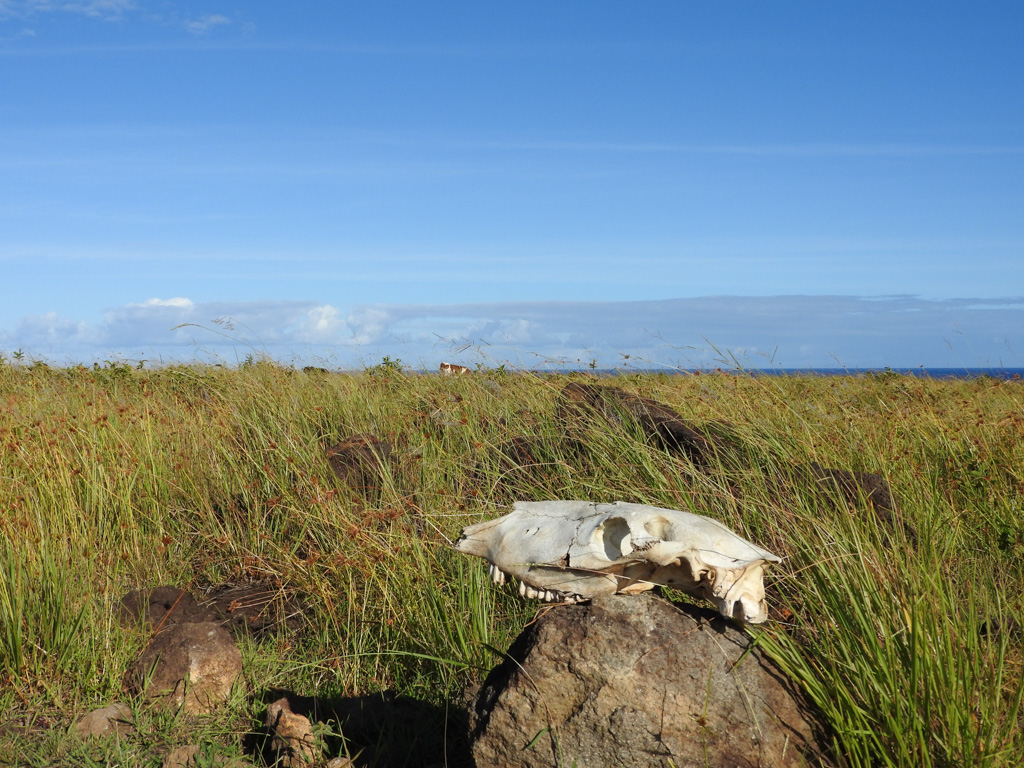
(790, 184)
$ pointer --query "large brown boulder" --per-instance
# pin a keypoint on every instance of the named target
(638, 681)
(192, 666)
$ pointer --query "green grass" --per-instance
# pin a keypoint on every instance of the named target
(116, 478)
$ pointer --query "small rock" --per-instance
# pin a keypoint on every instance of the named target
(192, 756)
(294, 740)
(182, 757)
(115, 720)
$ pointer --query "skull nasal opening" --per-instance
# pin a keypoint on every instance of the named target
(658, 527)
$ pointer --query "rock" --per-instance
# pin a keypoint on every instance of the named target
(192, 756)
(182, 757)
(714, 445)
(852, 487)
(638, 681)
(163, 606)
(522, 464)
(360, 460)
(293, 740)
(664, 427)
(257, 610)
(1001, 625)
(251, 610)
(192, 666)
(115, 720)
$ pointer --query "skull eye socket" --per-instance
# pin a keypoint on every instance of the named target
(658, 527)
(615, 538)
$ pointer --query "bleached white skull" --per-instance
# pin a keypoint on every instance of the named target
(567, 551)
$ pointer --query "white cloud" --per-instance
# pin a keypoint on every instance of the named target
(19, 35)
(175, 302)
(52, 329)
(104, 9)
(369, 324)
(325, 325)
(204, 24)
(757, 332)
(107, 10)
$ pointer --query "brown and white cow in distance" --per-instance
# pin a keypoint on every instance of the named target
(451, 369)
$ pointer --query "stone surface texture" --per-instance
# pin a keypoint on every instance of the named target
(182, 757)
(638, 681)
(193, 665)
(115, 720)
(293, 742)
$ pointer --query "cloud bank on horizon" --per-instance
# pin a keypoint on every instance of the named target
(899, 332)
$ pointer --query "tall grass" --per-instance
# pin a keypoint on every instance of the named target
(113, 478)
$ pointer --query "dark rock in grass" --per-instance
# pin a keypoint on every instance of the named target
(360, 461)
(189, 666)
(256, 610)
(857, 487)
(637, 681)
(579, 404)
(164, 606)
(713, 445)
(1001, 626)
(854, 486)
(115, 720)
(522, 464)
(253, 610)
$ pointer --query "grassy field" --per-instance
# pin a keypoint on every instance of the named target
(115, 478)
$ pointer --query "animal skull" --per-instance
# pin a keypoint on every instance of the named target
(570, 551)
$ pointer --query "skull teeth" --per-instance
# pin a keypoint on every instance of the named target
(548, 595)
(497, 575)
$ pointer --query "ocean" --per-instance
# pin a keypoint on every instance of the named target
(919, 372)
